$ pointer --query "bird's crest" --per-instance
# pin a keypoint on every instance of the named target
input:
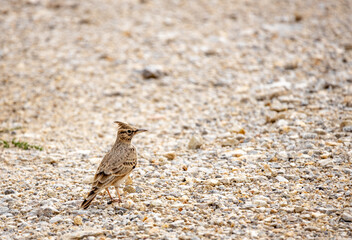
(123, 125)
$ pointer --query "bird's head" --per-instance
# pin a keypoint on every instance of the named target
(126, 132)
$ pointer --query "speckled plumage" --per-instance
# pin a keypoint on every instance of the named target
(117, 164)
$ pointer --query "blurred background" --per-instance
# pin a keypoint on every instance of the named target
(77, 66)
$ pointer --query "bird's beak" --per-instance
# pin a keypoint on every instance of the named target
(141, 130)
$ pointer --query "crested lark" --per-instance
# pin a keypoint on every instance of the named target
(117, 164)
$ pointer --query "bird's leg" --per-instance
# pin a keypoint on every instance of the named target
(107, 190)
(113, 200)
(118, 194)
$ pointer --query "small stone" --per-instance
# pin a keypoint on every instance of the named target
(299, 209)
(4, 210)
(238, 153)
(253, 234)
(347, 170)
(282, 155)
(331, 143)
(260, 217)
(139, 189)
(127, 204)
(120, 210)
(195, 142)
(88, 179)
(348, 101)
(306, 216)
(317, 215)
(153, 72)
(177, 224)
(47, 211)
(347, 129)
(347, 46)
(289, 234)
(237, 129)
(56, 219)
(288, 209)
(9, 191)
(326, 162)
(259, 203)
(153, 231)
(73, 203)
(240, 179)
(281, 179)
(282, 123)
(346, 216)
(77, 220)
(320, 131)
(328, 211)
(129, 189)
(170, 155)
(229, 142)
(312, 229)
(291, 65)
(291, 177)
(309, 135)
(156, 203)
(95, 160)
(278, 106)
(212, 182)
(324, 155)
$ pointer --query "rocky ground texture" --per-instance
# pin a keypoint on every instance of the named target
(248, 106)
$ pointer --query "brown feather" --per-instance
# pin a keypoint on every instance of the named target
(116, 165)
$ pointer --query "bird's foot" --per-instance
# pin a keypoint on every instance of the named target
(115, 200)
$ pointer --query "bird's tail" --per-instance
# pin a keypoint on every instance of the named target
(88, 200)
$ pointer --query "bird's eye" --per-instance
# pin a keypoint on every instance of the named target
(129, 131)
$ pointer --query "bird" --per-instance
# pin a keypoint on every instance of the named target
(117, 164)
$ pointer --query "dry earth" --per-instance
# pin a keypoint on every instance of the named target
(248, 106)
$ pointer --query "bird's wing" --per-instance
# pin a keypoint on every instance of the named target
(114, 166)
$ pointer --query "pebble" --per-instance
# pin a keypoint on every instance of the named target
(282, 123)
(4, 210)
(237, 153)
(326, 162)
(195, 142)
(56, 219)
(47, 211)
(346, 123)
(156, 203)
(212, 182)
(153, 72)
(177, 224)
(77, 220)
(129, 189)
(170, 155)
(318, 215)
(312, 229)
(240, 179)
(347, 129)
(9, 191)
(281, 179)
(309, 135)
(347, 216)
(298, 209)
(278, 106)
(259, 203)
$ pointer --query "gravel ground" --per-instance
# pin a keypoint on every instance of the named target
(248, 106)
